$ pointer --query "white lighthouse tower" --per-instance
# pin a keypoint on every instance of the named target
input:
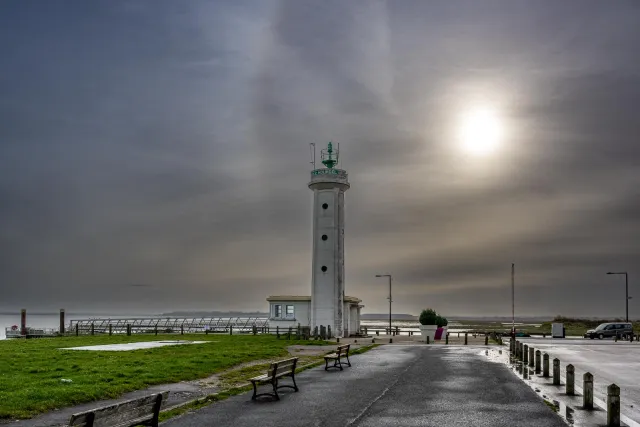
(327, 305)
(327, 277)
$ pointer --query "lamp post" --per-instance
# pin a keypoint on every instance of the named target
(389, 276)
(626, 281)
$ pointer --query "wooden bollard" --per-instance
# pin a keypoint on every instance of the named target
(525, 354)
(373, 340)
(517, 354)
(378, 333)
(525, 371)
(571, 379)
(486, 340)
(587, 391)
(390, 340)
(338, 339)
(62, 322)
(545, 365)
(465, 338)
(531, 356)
(538, 360)
(613, 406)
(446, 338)
(111, 329)
(428, 339)
(556, 371)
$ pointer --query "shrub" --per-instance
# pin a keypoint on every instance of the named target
(428, 317)
(441, 321)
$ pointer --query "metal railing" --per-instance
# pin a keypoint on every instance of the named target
(166, 325)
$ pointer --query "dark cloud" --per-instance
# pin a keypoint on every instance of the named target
(155, 158)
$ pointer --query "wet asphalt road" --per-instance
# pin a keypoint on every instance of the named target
(392, 385)
(608, 361)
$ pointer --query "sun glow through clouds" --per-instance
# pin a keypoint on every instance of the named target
(480, 132)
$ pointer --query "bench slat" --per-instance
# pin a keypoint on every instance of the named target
(119, 412)
(143, 413)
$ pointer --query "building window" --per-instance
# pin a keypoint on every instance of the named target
(290, 311)
(277, 311)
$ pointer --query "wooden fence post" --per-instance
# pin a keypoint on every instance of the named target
(486, 340)
(525, 354)
(587, 391)
(556, 371)
(129, 330)
(538, 359)
(613, 406)
(571, 379)
(230, 329)
(92, 328)
(110, 329)
(446, 338)
(77, 331)
(465, 338)
(545, 365)
(278, 331)
(531, 356)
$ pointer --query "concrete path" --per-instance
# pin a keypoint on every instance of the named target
(393, 385)
(608, 361)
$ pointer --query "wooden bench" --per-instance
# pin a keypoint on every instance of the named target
(342, 351)
(134, 412)
(277, 370)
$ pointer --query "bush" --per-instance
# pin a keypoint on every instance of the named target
(428, 317)
(441, 321)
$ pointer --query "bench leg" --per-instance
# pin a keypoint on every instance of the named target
(348, 361)
(338, 363)
(275, 388)
(255, 390)
(326, 364)
(295, 386)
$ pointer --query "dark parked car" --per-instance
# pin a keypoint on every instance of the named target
(607, 330)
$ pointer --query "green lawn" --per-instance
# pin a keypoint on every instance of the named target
(31, 370)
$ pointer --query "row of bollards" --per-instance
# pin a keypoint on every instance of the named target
(526, 355)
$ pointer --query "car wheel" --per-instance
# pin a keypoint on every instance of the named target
(600, 336)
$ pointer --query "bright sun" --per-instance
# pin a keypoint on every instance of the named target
(480, 132)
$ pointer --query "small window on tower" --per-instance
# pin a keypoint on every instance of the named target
(277, 311)
(325, 206)
(324, 269)
(290, 311)
(324, 237)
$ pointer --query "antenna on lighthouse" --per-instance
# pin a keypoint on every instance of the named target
(312, 147)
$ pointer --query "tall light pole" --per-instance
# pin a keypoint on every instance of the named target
(389, 276)
(513, 300)
(626, 281)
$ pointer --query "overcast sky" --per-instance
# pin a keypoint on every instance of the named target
(154, 155)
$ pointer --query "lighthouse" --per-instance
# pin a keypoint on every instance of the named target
(327, 267)
(328, 306)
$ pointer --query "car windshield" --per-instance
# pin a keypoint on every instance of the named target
(601, 327)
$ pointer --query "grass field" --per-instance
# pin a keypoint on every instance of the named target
(31, 370)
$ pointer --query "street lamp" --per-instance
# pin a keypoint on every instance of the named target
(626, 281)
(389, 276)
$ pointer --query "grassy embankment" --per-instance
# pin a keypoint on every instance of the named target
(31, 370)
(573, 326)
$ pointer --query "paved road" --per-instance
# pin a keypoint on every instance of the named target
(608, 361)
(393, 385)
